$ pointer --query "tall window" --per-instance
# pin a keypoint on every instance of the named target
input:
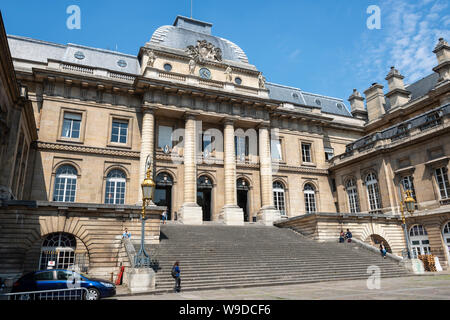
(373, 192)
(278, 197)
(241, 147)
(310, 198)
(407, 184)
(419, 240)
(164, 137)
(71, 125)
(115, 187)
(119, 131)
(352, 194)
(65, 184)
(306, 152)
(442, 181)
(276, 149)
(207, 145)
(60, 248)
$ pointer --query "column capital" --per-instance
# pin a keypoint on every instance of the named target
(263, 125)
(148, 108)
(228, 120)
(191, 115)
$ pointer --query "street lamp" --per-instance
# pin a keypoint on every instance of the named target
(409, 203)
(142, 259)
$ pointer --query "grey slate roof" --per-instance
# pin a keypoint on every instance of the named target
(419, 88)
(40, 51)
(185, 32)
(301, 98)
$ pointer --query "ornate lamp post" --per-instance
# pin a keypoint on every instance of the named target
(142, 259)
(408, 203)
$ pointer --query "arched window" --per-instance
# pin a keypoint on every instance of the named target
(278, 197)
(418, 237)
(59, 249)
(352, 194)
(115, 187)
(310, 198)
(373, 192)
(65, 184)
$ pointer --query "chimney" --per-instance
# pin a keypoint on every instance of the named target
(442, 52)
(357, 105)
(375, 101)
(397, 94)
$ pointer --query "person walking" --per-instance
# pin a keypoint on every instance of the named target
(176, 275)
(164, 216)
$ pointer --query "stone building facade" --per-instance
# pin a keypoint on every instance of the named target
(225, 144)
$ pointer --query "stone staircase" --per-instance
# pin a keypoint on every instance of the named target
(218, 256)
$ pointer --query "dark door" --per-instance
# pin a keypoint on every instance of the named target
(163, 197)
(204, 201)
(242, 200)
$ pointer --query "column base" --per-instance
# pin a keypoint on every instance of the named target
(268, 215)
(232, 215)
(190, 213)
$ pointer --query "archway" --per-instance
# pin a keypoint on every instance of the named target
(204, 196)
(62, 250)
(242, 187)
(163, 192)
(375, 240)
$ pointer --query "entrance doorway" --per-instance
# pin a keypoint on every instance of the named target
(242, 187)
(163, 192)
(204, 196)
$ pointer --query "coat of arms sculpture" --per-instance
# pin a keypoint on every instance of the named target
(204, 51)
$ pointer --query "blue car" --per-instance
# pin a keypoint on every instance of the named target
(63, 279)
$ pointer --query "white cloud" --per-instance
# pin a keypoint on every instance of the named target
(410, 31)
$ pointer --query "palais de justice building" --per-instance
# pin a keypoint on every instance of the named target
(227, 146)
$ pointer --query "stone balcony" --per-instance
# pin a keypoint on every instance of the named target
(411, 130)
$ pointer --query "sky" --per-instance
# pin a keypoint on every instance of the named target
(321, 46)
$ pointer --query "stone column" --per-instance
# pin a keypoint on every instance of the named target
(231, 213)
(267, 214)
(147, 142)
(190, 212)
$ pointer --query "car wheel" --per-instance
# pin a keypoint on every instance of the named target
(92, 294)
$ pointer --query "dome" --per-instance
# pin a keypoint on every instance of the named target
(186, 32)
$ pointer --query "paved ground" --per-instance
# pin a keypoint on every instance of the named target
(426, 287)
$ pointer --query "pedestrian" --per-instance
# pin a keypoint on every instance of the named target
(342, 236)
(164, 216)
(348, 236)
(126, 234)
(383, 251)
(176, 275)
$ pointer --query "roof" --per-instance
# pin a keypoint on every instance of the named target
(419, 88)
(40, 51)
(185, 32)
(301, 98)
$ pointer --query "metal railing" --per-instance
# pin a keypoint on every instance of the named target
(62, 294)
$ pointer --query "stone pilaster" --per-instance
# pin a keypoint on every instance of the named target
(147, 142)
(231, 213)
(190, 212)
(267, 214)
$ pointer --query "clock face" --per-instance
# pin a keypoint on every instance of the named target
(205, 73)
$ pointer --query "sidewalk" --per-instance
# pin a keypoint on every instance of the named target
(431, 286)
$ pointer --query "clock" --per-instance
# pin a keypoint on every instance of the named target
(205, 73)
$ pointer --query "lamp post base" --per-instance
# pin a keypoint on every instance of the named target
(413, 265)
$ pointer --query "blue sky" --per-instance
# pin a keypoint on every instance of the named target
(320, 46)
